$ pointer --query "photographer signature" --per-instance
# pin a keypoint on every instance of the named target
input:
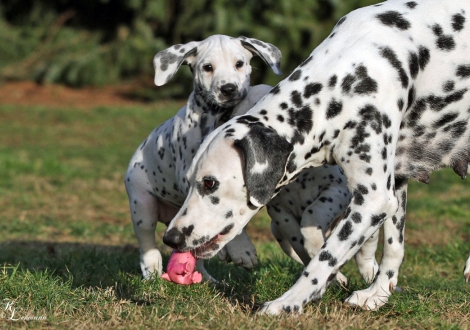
(9, 313)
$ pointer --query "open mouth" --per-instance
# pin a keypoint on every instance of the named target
(209, 248)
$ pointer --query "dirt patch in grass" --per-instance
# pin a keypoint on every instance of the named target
(30, 93)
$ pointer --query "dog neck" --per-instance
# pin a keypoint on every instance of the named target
(211, 114)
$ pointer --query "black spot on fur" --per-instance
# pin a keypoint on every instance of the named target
(413, 62)
(326, 256)
(332, 81)
(358, 198)
(227, 229)
(456, 129)
(312, 89)
(229, 214)
(411, 4)
(187, 231)
(356, 217)
(390, 273)
(458, 21)
(295, 75)
(444, 120)
(302, 119)
(334, 109)
(275, 90)
(366, 84)
(394, 19)
(392, 58)
(376, 219)
(296, 99)
(341, 21)
(304, 63)
(345, 231)
(443, 42)
(424, 57)
(448, 86)
(347, 83)
(361, 240)
(463, 71)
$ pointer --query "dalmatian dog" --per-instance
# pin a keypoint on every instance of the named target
(155, 179)
(305, 211)
(386, 97)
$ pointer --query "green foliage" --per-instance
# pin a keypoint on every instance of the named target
(102, 42)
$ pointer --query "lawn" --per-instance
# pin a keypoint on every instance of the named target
(69, 258)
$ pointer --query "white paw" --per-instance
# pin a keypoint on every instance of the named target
(369, 299)
(206, 277)
(151, 263)
(466, 272)
(341, 279)
(280, 306)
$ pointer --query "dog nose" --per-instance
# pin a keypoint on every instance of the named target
(228, 89)
(173, 238)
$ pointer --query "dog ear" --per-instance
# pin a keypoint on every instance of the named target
(266, 154)
(269, 53)
(167, 62)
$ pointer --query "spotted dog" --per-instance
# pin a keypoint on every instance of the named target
(305, 211)
(385, 96)
(155, 179)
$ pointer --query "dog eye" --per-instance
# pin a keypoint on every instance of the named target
(209, 184)
(207, 68)
(239, 64)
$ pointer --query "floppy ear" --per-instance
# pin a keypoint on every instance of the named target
(269, 53)
(167, 62)
(266, 154)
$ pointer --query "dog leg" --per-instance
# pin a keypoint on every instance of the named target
(362, 219)
(305, 241)
(144, 221)
(241, 251)
(365, 258)
(289, 229)
(394, 250)
(466, 271)
(284, 243)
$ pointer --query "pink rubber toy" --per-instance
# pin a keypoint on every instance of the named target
(180, 269)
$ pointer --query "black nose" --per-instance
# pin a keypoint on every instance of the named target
(173, 238)
(228, 89)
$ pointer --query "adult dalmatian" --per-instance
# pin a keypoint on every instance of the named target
(385, 96)
(155, 179)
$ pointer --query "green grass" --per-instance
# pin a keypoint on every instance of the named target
(68, 252)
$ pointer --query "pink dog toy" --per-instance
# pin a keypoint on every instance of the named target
(180, 269)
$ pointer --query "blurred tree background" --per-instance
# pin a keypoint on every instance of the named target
(98, 42)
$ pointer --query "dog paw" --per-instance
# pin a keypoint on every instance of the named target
(369, 299)
(277, 307)
(341, 279)
(241, 255)
(151, 264)
(466, 271)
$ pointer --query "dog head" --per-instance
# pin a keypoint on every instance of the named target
(231, 178)
(220, 65)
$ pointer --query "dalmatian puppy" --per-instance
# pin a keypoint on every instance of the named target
(305, 211)
(386, 97)
(155, 179)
